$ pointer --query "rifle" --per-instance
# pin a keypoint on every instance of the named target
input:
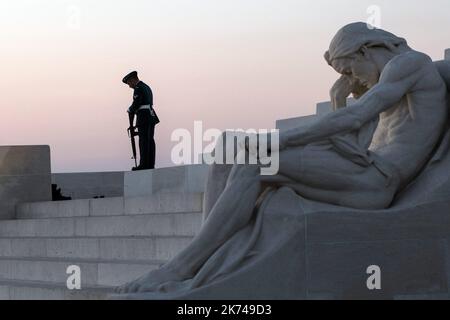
(131, 134)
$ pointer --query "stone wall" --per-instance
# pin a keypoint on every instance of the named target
(87, 185)
(24, 177)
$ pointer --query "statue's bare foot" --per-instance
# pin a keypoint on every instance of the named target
(151, 281)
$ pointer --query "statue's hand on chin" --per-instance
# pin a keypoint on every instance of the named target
(340, 92)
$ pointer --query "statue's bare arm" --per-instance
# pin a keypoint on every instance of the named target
(397, 79)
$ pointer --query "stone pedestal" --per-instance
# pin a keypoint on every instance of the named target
(24, 177)
(184, 179)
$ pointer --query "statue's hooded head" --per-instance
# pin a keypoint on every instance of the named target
(356, 48)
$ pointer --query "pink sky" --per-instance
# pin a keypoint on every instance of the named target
(231, 64)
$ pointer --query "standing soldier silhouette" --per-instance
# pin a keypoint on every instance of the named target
(146, 120)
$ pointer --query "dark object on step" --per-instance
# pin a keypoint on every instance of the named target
(56, 194)
(99, 197)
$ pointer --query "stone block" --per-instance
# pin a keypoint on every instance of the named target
(5, 247)
(408, 267)
(185, 224)
(24, 177)
(46, 270)
(38, 228)
(424, 221)
(27, 247)
(164, 203)
(94, 273)
(24, 160)
(196, 177)
(190, 178)
(138, 183)
(53, 209)
(117, 249)
(161, 202)
(15, 189)
(323, 108)
(32, 290)
(4, 293)
(169, 179)
(107, 206)
(155, 248)
(36, 293)
(70, 248)
(447, 54)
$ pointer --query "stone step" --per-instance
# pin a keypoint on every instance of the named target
(151, 204)
(167, 224)
(93, 272)
(85, 185)
(40, 290)
(188, 178)
(127, 248)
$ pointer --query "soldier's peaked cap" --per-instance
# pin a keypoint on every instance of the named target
(129, 76)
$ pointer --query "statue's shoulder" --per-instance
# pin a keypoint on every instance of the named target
(412, 56)
(406, 64)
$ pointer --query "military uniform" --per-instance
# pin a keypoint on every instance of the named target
(146, 121)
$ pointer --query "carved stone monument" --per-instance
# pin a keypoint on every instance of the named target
(365, 186)
(24, 177)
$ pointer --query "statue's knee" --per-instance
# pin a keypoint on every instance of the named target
(380, 197)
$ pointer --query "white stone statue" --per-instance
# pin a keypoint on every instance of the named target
(358, 157)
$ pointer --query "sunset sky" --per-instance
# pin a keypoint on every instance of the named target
(228, 63)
